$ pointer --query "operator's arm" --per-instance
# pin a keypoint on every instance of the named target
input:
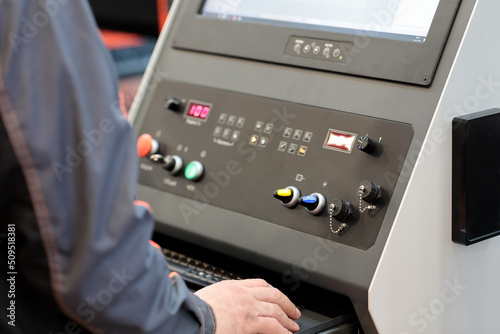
(60, 108)
(68, 175)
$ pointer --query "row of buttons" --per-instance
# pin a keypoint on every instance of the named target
(232, 120)
(316, 49)
(297, 134)
(259, 126)
(226, 133)
(292, 148)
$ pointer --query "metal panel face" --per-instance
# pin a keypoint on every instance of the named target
(364, 51)
(252, 146)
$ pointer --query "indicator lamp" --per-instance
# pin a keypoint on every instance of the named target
(194, 171)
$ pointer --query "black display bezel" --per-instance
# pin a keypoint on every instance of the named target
(389, 59)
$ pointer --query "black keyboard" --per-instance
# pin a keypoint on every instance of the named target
(323, 312)
(196, 273)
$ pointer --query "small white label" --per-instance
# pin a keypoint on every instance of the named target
(169, 182)
(192, 122)
(300, 178)
(147, 168)
(223, 142)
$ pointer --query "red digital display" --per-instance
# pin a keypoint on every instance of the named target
(341, 141)
(198, 110)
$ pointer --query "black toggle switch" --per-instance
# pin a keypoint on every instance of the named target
(172, 103)
(173, 164)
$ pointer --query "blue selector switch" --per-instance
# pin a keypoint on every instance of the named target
(314, 203)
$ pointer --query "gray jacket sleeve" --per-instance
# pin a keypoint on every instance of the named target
(60, 106)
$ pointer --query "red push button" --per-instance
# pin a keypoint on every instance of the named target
(146, 145)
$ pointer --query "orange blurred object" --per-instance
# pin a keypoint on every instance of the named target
(162, 6)
(154, 244)
(144, 204)
(118, 39)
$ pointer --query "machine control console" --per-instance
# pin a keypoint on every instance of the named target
(234, 150)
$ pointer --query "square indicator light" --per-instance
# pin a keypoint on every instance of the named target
(340, 141)
(302, 151)
(254, 139)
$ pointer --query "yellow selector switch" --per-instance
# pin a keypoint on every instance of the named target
(284, 193)
(288, 196)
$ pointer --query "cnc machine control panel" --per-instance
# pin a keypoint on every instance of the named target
(328, 173)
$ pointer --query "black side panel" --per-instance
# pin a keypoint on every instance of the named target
(476, 177)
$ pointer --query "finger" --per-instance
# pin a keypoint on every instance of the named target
(265, 325)
(273, 295)
(270, 310)
(255, 283)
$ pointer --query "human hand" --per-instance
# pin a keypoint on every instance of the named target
(250, 307)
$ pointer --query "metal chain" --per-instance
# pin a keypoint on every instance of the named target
(369, 207)
(341, 227)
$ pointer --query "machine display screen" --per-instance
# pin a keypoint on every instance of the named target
(397, 40)
(407, 20)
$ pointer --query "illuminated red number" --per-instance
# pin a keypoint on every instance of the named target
(192, 110)
(198, 110)
(205, 112)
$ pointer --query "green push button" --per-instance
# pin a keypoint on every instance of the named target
(194, 171)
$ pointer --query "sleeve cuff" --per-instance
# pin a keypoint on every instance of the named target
(206, 316)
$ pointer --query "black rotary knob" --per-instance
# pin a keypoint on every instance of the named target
(341, 211)
(173, 164)
(172, 103)
(288, 196)
(370, 192)
(366, 144)
(314, 203)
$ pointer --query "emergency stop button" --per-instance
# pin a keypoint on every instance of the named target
(147, 145)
